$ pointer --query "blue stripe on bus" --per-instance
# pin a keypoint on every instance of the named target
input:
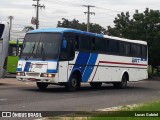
(27, 66)
(19, 69)
(89, 69)
(81, 62)
(51, 71)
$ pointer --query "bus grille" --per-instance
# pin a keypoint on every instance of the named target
(33, 74)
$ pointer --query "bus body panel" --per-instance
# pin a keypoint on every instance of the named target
(104, 67)
(4, 39)
(63, 71)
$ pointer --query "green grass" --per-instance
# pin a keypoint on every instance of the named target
(126, 113)
(153, 106)
(123, 118)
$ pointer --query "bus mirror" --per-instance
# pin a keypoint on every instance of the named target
(64, 44)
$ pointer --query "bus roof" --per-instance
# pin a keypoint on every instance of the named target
(62, 30)
(126, 40)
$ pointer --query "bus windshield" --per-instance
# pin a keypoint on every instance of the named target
(41, 46)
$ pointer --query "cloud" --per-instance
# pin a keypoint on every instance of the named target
(106, 10)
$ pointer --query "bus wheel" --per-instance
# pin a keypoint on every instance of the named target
(42, 86)
(73, 84)
(123, 83)
(96, 84)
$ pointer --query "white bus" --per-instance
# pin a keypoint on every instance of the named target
(4, 39)
(69, 57)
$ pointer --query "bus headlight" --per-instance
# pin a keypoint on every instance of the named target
(20, 74)
(51, 75)
(47, 75)
(44, 75)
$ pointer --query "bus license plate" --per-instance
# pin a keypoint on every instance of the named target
(32, 79)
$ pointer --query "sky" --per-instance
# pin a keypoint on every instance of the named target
(55, 10)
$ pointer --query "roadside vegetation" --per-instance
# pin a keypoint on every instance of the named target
(148, 107)
(125, 113)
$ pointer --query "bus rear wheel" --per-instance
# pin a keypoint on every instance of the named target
(96, 84)
(42, 86)
(73, 84)
(123, 83)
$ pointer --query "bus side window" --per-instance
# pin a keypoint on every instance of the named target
(122, 48)
(113, 46)
(85, 43)
(68, 47)
(77, 42)
(64, 51)
(100, 45)
(93, 44)
(139, 49)
(128, 49)
(71, 49)
(144, 51)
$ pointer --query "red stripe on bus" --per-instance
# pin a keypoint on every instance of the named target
(95, 72)
(122, 63)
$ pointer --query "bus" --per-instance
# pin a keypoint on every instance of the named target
(69, 57)
(11, 60)
(4, 39)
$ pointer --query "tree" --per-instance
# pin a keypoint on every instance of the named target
(74, 24)
(143, 26)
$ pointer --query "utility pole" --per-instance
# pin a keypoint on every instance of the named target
(10, 19)
(10, 27)
(88, 15)
(37, 6)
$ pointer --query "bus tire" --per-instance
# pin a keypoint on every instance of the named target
(123, 83)
(42, 86)
(96, 84)
(73, 84)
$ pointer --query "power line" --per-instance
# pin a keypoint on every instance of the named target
(62, 2)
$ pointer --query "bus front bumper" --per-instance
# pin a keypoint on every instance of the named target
(37, 79)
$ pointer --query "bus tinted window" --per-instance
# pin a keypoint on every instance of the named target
(133, 50)
(113, 46)
(144, 51)
(122, 48)
(85, 43)
(77, 42)
(128, 49)
(100, 45)
(138, 50)
(1, 29)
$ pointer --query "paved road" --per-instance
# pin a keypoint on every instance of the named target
(17, 96)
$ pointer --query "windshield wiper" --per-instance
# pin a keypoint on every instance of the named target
(30, 52)
(42, 52)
